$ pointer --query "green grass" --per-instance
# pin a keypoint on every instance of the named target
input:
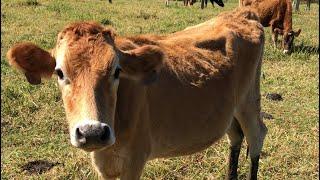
(33, 125)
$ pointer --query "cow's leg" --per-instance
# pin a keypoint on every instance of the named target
(167, 2)
(212, 2)
(274, 24)
(202, 4)
(138, 150)
(133, 166)
(248, 116)
(296, 5)
(107, 164)
(235, 136)
(274, 38)
(308, 4)
(254, 131)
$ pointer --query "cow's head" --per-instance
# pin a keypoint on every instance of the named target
(88, 66)
(288, 37)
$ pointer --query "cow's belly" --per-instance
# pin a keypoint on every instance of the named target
(186, 139)
(184, 121)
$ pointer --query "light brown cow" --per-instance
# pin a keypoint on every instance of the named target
(278, 15)
(206, 84)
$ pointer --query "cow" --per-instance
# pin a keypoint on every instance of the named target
(133, 99)
(278, 15)
(204, 3)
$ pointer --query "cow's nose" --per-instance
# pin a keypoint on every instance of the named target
(92, 135)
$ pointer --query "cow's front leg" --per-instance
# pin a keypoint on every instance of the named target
(235, 136)
(275, 30)
(275, 38)
(107, 164)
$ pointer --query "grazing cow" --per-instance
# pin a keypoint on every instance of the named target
(204, 3)
(278, 15)
(132, 99)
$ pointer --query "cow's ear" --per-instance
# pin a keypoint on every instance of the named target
(142, 64)
(33, 61)
(297, 33)
(278, 31)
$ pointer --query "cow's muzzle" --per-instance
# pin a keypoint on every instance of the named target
(92, 135)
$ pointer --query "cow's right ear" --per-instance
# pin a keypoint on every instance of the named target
(142, 63)
(278, 31)
(33, 61)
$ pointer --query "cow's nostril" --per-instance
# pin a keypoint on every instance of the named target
(105, 133)
(80, 136)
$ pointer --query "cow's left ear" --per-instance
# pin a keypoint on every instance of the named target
(142, 64)
(33, 61)
(297, 33)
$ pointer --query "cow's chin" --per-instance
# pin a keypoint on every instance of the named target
(94, 147)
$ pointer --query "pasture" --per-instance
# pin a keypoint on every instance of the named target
(33, 125)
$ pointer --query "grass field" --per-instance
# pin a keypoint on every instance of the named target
(33, 125)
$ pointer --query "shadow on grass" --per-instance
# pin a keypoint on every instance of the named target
(38, 166)
(306, 49)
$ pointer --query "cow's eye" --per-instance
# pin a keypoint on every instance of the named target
(116, 73)
(59, 73)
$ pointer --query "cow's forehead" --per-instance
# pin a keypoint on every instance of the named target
(81, 48)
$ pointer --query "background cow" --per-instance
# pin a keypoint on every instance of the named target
(204, 3)
(278, 15)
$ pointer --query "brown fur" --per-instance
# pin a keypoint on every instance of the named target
(206, 75)
(23, 55)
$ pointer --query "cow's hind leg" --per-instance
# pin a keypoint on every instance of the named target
(248, 116)
(235, 136)
(254, 131)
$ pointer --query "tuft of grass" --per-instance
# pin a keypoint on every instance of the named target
(33, 125)
(30, 3)
(106, 22)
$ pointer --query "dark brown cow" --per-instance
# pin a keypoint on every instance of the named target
(132, 99)
(204, 3)
(278, 15)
